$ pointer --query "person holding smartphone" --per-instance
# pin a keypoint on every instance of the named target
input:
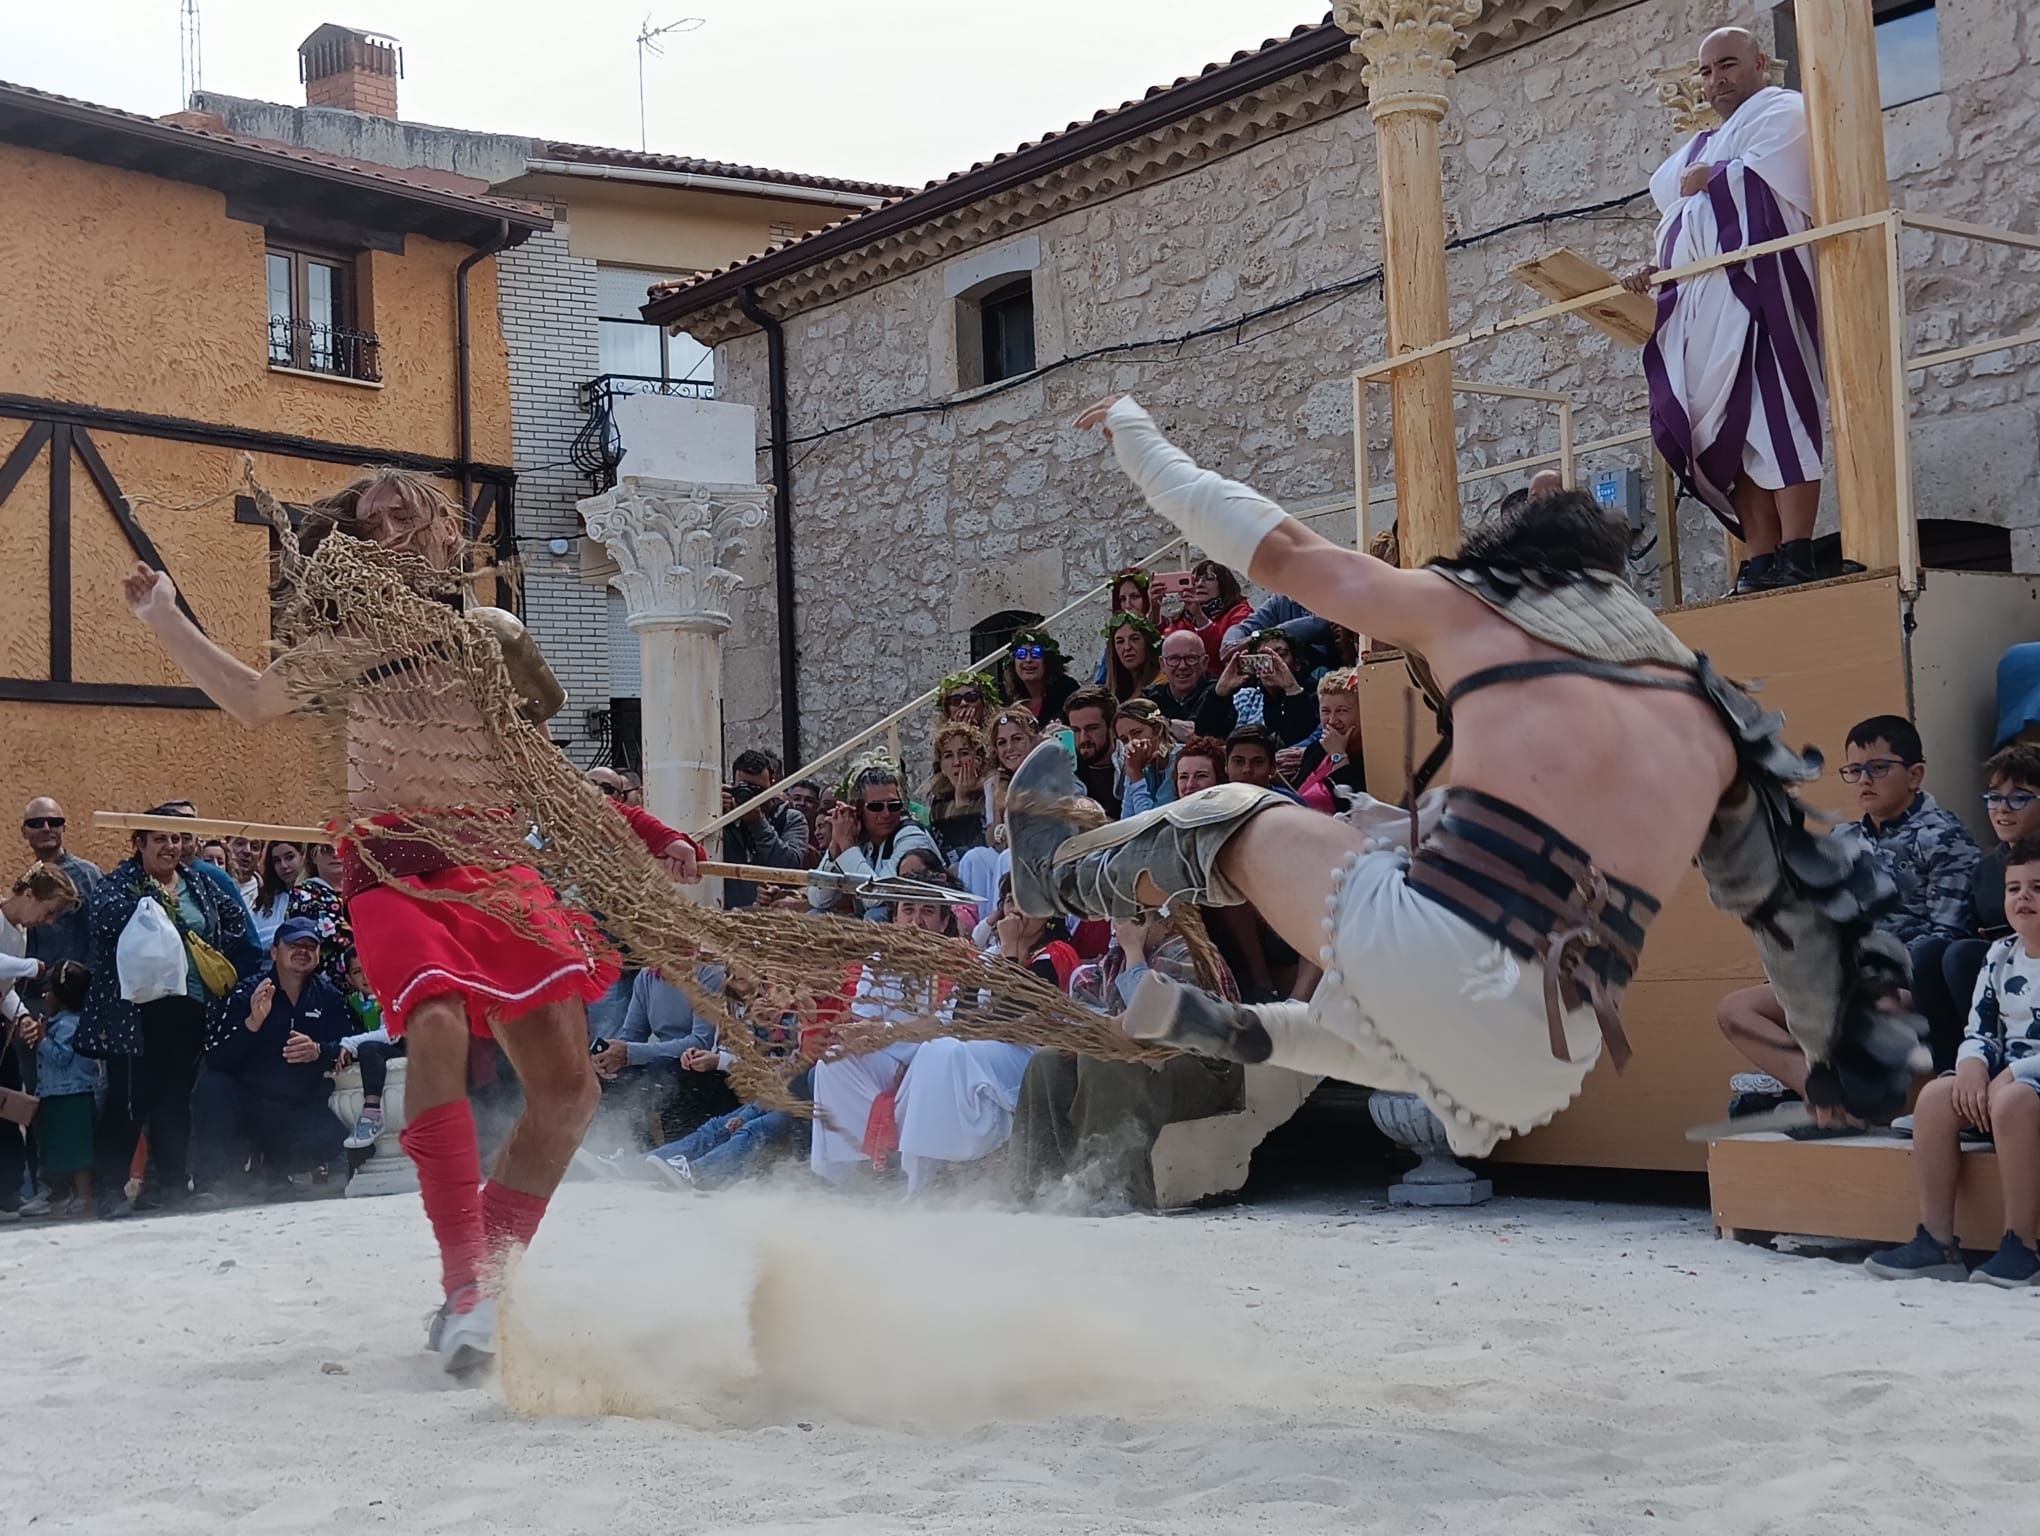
(1258, 686)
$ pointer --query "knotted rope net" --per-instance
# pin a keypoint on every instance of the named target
(445, 768)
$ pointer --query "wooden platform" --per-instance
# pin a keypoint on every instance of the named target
(1861, 1187)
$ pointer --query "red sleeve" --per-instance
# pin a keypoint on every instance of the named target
(654, 833)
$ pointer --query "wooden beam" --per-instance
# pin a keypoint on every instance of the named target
(47, 690)
(116, 502)
(259, 831)
(60, 555)
(1665, 506)
(1845, 151)
(23, 455)
(1563, 274)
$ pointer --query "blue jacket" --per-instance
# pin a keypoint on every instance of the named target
(69, 937)
(660, 1023)
(58, 1068)
(254, 1058)
(111, 1025)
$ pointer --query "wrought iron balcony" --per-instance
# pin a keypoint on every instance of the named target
(319, 348)
(598, 448)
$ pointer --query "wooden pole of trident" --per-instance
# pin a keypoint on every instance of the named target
(1408, 45)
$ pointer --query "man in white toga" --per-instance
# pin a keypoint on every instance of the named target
(1736, 395)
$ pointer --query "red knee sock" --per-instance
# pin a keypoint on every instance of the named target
(509, 1219)
(441, 1142)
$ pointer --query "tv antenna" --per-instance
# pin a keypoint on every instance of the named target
(647, 42)
(190, 54)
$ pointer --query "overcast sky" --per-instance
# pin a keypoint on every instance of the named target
(879, 90)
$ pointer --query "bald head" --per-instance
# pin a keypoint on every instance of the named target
(42, 827)
(1732, 69)
(1182, 662)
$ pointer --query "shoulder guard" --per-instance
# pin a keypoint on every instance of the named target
(539, 691)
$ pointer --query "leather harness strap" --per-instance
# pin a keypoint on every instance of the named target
(1474, 878)
(1529, 671)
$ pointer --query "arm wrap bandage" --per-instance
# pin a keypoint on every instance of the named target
(1224, 518)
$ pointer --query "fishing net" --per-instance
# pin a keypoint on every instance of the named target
(446, 766)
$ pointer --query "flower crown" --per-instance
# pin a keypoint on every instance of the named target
(1126, 618)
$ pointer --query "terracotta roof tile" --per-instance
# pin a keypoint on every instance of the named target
(696, 280)
(593, 154)
(441, 184)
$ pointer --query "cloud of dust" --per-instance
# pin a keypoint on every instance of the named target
(761, 1307)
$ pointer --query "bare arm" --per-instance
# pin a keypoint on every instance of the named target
(1242, 528)
(251, 697)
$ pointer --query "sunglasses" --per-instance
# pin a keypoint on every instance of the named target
(43, 823)
(2015, 800)
(885, 807)
(1027, 653)
(1876, 768)
(966, 696)
(613, 791)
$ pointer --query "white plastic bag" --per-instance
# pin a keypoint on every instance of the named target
(150, 956)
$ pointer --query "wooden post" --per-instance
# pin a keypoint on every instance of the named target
(1845, 146)
(1408, 45)
(1665, 505)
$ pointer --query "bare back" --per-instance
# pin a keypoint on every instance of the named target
(1631, 774)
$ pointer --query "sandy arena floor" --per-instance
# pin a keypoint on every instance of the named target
(1319, 1365)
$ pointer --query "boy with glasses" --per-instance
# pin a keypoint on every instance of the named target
(1928, 853)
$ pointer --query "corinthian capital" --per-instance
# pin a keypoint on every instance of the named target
(673, 544)
(1408, 45)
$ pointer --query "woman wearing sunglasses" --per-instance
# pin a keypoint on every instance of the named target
(1035, 675)
(1945, 970)
(966, 698)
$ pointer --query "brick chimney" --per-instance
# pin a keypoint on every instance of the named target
(354, 70)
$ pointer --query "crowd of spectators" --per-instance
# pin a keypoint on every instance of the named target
(221, 1085)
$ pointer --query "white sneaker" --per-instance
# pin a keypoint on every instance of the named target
(464, 1341)
(674, 1168)
(37, 1205)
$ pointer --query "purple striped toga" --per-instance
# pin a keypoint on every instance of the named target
(1734, 364)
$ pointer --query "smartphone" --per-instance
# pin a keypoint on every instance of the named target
(1169, 584)
(597, 1047)
(1068, 738)
(1255, 665)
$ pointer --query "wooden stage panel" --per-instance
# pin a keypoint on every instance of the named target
(1827, 656)
(1860, 1188)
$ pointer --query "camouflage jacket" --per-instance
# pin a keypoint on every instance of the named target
(1933, 858)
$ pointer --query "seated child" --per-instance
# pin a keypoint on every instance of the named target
(372, 1048)
(1994, 1088)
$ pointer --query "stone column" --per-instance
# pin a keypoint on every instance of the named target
(673, 543)
(1408, 45)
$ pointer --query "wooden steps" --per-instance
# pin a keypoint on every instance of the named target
(1858, 1188)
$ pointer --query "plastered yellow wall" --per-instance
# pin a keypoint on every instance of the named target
(131, 293)
(134, 293)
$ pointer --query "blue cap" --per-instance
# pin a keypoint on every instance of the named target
(296, 930)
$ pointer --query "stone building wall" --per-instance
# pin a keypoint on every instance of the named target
(914, 528)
